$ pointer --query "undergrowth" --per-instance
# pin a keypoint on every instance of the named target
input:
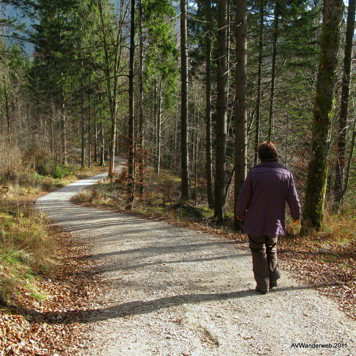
(27, 250)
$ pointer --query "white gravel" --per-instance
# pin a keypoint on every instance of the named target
(174, 291)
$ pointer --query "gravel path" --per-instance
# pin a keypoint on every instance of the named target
(179, 292)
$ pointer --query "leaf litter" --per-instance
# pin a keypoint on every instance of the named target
(55, 325)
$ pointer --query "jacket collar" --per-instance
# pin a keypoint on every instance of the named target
(269, 164)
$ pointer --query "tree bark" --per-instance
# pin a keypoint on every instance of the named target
(259, 78)
(349, 161)
(130, 185)
(141, 97)
(273, 74)
(221, 119)
(208, 108)
(240, 104)
(184, 100)
(82, 118)
(89, 131)
(7, 112)
(158, 128)
(102, 146)
(96, 143)
(341, 144)
(313, 211)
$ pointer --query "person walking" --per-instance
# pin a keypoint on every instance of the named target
(261, 206)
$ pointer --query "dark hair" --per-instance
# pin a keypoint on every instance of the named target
(267, 152)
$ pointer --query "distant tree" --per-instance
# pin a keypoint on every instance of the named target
(161, 74)
(111, 41)
(55, 41)
(313, 211)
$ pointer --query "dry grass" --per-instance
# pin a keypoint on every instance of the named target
(27, 249)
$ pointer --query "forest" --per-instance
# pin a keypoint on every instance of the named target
(189, 87)
(170, 100)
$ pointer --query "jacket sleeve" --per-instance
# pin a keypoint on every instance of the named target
(245, 196)
(293, 200)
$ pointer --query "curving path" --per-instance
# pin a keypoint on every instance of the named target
(179, 292)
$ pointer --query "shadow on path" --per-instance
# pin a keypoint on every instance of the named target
(139, 307)
(154, 250)
(114, 268)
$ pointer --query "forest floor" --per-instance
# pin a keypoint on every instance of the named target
(132, 286)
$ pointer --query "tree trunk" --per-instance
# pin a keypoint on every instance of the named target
(7, 112)
(313, 212)
(96, 143)
(112, 145)
(52, 132)
(102, 148)
(184, 99)
(176, 147)
(196, 149)
(240, 103)
(141, 97)
(89, 131)
(259, 78)
(208, 108)
(82, 126)
(130, 185)
(64, 126)
(348, 167)
(273, 75)
(158, 128)
(221, 119)
(341, 144)
(112, 56)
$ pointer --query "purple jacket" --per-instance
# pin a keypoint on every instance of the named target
(264, 194)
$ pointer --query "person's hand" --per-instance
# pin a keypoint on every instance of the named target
(239, 222)
(239, 218)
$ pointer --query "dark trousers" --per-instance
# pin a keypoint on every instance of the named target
(264, 260)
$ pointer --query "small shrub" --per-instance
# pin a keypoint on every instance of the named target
(10, 163)
(47, 184)
(61, 171)
(84, 196)
(167, 186)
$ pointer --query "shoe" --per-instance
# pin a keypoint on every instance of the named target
(262, 291)
(273, 284)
